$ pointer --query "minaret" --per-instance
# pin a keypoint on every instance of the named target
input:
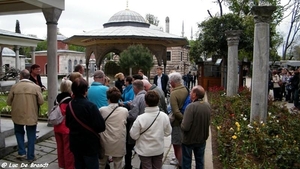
(167, 24)
(182, 33)
(191, 33)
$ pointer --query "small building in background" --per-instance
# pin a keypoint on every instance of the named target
(67, 59)
(9, 59)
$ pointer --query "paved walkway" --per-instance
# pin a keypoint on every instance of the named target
(46, 154)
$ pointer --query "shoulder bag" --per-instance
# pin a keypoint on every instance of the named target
(101, 152)
(111, 113)
(151, 123)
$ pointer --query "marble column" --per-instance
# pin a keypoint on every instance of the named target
(17, 59)
(52, 15)
(32, 55)
(2, 137)
(259, 92)
(1, 69)
(233, 37)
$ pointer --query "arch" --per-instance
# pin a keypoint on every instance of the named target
(75, 62)
(70, 68)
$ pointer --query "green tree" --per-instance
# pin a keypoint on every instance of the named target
(243, 7)
(77, 48)
(136, 57)
(296, 52)
(212, 39)
(41, 46)
(18, 30)
(152, 19)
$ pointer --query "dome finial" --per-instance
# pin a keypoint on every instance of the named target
(127, 4)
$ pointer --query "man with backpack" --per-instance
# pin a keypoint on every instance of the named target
(177, 100)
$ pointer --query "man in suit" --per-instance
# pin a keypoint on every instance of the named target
(161, 80)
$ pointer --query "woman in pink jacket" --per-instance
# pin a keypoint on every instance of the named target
(65, 156)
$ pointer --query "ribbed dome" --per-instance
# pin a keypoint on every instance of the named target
(126, 18)
(8, 52)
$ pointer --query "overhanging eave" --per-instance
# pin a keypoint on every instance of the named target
(89, 41)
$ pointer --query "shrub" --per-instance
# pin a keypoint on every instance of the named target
(6, 110)
(241, 144)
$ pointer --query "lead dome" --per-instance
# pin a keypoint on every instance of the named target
(126, 18)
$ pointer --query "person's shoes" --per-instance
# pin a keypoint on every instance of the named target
(173, 158)
(21, 157)
(32, 160)
(127, 167)
(174, 162)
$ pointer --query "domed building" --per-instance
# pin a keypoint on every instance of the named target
(127, 27)
(9, 59)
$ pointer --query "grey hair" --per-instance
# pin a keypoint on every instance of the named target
(175, 77)
(65, 86)
(24, 74)
(138, 84)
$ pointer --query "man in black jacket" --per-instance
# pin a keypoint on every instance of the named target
(161, 80)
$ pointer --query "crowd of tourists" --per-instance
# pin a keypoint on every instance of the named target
(285, 85)
(105, 122)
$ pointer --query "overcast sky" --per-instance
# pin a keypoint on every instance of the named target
(87, 15)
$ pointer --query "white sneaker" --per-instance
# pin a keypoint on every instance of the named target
(173, 158)
(174, 162)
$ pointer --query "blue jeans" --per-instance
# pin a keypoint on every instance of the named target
(31, 137)
(86, 162)
(198, 150)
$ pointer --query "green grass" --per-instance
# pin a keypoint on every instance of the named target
(4, 109)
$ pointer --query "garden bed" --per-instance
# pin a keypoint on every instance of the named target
(237, 143)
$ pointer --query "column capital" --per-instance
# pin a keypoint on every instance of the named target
(233, 37)
(52, 15)
(263, 13)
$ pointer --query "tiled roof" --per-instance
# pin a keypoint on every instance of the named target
(60, 51)
(13, 34)
(131, 31)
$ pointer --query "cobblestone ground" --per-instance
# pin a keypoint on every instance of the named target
(46, 157)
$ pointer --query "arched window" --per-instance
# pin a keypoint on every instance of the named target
(75, 62)
(80, 61)
(70, 68)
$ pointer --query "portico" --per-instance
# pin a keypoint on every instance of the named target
(51, 10)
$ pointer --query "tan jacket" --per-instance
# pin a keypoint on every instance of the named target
(25, 97)
(114, 136)
(177, 98)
